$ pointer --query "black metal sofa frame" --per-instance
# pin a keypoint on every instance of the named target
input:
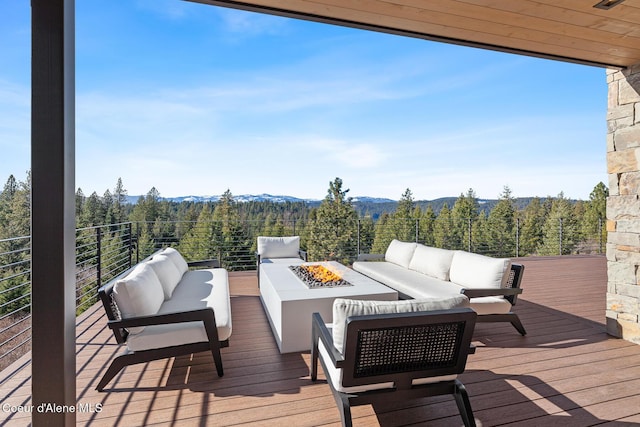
(510, 292)
(119, 327)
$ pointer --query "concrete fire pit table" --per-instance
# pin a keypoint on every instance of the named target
(289, 303)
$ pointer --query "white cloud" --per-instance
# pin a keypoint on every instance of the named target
(352, 154)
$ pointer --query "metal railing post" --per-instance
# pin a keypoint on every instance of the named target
(469, 236)
(560, 232)
(517, 237)
(99, 256)
(130, 229)
(137, 242)
(358, 236)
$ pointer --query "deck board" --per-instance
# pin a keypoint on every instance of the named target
(566, 371)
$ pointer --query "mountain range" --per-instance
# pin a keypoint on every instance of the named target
(364, 205)
(259, 198)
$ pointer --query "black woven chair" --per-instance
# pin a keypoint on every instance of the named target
(396, 357)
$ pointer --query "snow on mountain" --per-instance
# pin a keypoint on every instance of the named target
(257, 198)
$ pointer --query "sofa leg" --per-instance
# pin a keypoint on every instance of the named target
(510, 317)
(515, 321)
(116, 366)
(217, 359)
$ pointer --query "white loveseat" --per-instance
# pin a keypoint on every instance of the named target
(159, 308)
(419, 271)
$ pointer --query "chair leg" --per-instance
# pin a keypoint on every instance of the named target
(345, 413)
(515, 321)
(464, 405)
(313, 369)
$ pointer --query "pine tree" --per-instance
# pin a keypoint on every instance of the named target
(333, 233)
(560, 228)
(198, 243)
(501, 226)
(426, 228)
(114, 205)
(443, 229)
(532, 229)
(382, 236)
(366, 234)
(595, 215)
(92, 211)
(15, 229)
(144, 214)
(403, 220)
(464, 214)
(233, 242)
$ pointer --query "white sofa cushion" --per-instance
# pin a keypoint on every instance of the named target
(279, 247)
(490, 305)
(408, 283)
(139, 294)
(344, 308)
(197, 289)
(434, 262)
(177, 259)
(167, 273)
(471, 270)
(400, 252)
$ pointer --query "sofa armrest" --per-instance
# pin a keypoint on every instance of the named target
(370, 257)
(210, 263)
(161, 319)
(490, 292)
(320, 332)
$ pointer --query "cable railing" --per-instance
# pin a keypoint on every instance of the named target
(103, 252)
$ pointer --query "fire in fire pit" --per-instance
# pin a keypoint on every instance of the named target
(318, 276)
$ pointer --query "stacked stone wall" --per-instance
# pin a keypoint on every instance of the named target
(623, 205)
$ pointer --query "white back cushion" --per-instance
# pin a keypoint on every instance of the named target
(400, 252)
(177, 259)
(344, 308)
(139, 294)
(434, 262)
(167, 273)
(478, 271)
(279, 247)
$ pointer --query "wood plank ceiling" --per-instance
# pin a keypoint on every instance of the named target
(567, 30)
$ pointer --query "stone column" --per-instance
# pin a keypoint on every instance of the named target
(623, 205)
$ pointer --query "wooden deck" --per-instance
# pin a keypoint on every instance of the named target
(566, 371)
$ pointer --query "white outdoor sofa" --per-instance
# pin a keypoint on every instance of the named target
(159, 308)
(418, 271)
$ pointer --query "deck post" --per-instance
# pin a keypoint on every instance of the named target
(623, 204)
(53, 212)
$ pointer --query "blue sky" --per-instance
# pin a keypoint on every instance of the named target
(195, 99)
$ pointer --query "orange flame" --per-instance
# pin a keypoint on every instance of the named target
(321, 273)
